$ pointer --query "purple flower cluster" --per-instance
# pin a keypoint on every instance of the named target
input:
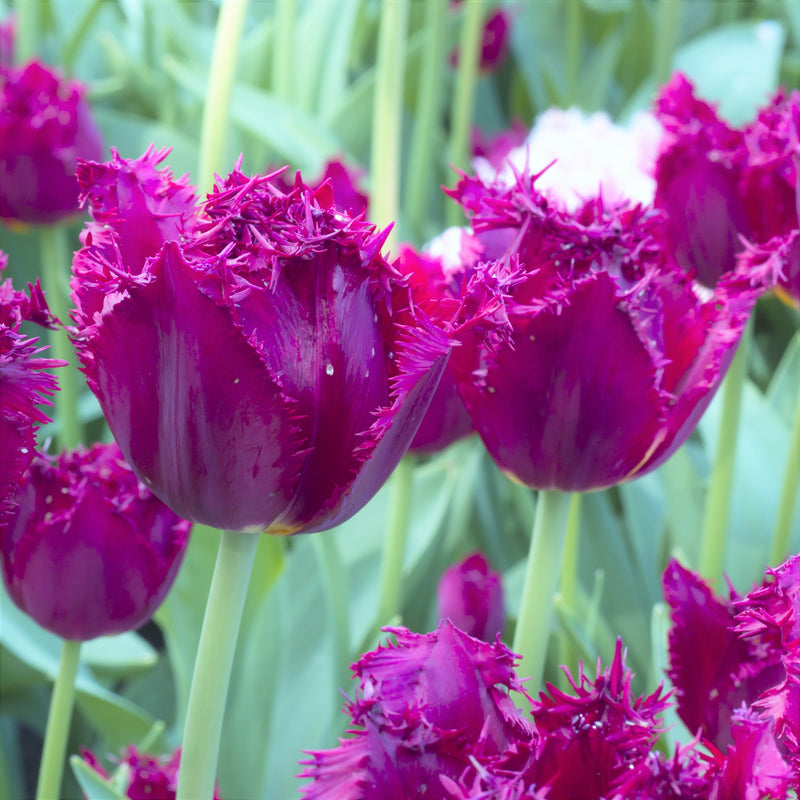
(435, 715)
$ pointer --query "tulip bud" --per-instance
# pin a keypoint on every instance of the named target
(87, 550)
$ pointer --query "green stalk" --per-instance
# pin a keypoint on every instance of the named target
(387, 114)
(212, 669)
(668, 22)
(568, 588)
(283, 48)
(541, 581)
(464, 97)
(783, 525)
(72, 46)
(573, 48)
(335, 579)
(28, 14)
(220, 83)
(395, 542)
(717, 512)
(422, 162)
(51, 769)
(56, 264)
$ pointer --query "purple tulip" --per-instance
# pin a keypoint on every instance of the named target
(87, 550)
(470, 595)
(742, 652)
(147, 777)
(257, 359)
(721, 185)
(23, 384)
(45, 127)
(614, 354)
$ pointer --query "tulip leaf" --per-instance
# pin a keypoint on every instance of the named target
(737, 66)
(119, 656)
(93, 785)
(118, 720)
(784, 387)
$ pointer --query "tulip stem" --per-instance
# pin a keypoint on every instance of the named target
(55, 267)
(212, 668)
(51, 769)
(717, 512)
(221, 73)
(569, 577)
(334, 575)
(668, 22)
(387, 115)
(541, 581)
(463, 101)
(422, 164)
(28, 21)
(283, 48)
(394, 547)
(783, 525)
(573, 49)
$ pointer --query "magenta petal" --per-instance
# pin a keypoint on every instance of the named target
(572, 419)
(191, 403)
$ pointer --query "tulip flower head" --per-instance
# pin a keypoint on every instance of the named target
(470, 595)
(614, 354)
(256, 357)
(45, 127)
(24, 385)
(140, 776)
(722, 185)
(741, 653)
(87, 550)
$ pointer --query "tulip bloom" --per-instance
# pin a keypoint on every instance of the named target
(613, 354)
(256, 357)
(470, 595)
(734, 653)
(720, 185)
(87, 550)
(24, 386)
(45, 127)
(147, 777)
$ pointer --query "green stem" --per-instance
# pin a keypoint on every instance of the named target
(283, 48)
(568, 588)
(668, 22)
(220, 83)
(573, 49)
(541, 581)
(783, 525)
(56, 269)
(336, 581)
(395, 543)
(387, 114)
(51, 769)
(717, 511)
(422, 164)
(212, 669)
(464, 97)
(28, 14)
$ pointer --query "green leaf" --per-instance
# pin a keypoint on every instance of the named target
(737, 66)
(94, 786)
(118, 721)
(120, 656)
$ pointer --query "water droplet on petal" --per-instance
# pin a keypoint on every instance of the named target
(329, 369)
